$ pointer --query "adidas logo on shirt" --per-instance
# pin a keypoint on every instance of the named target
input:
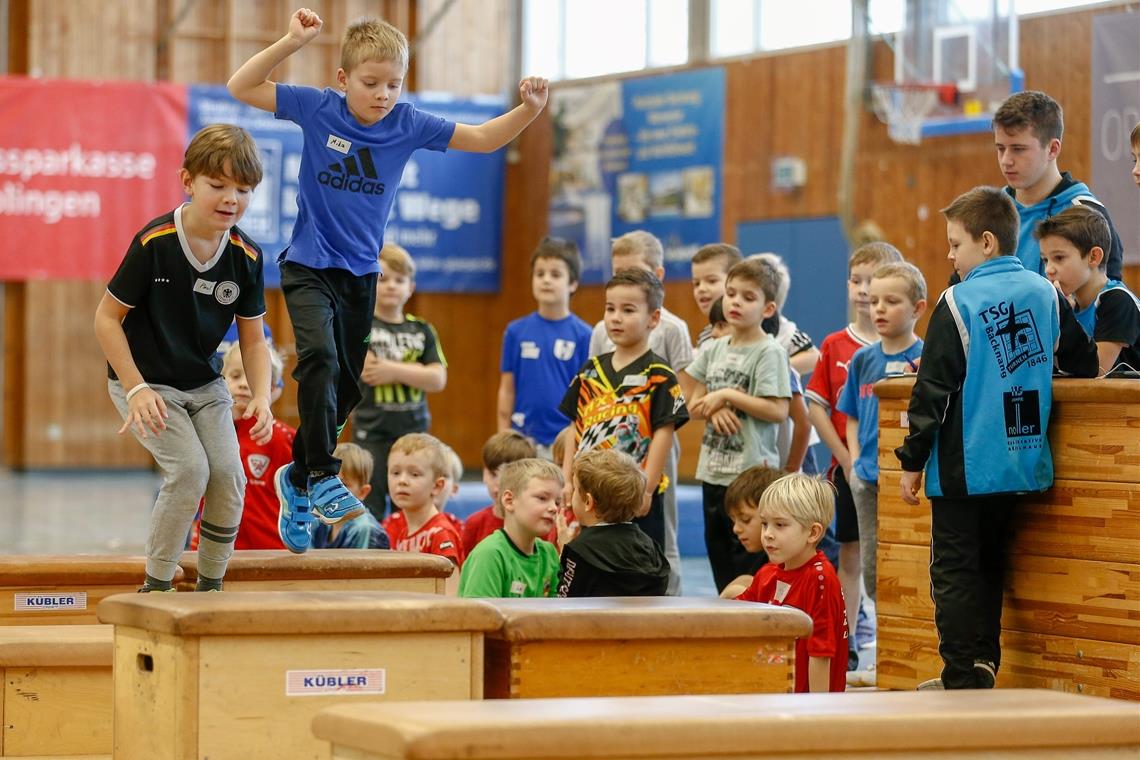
(355, 174)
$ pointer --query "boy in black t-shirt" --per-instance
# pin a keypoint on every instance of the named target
(185, 277)
(404, 361)
(628, 399)
(610, 555)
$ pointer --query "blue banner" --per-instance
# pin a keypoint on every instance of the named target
(639, 154)
(448, 211)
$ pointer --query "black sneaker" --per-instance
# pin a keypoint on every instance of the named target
(852, 660)
(986, 673)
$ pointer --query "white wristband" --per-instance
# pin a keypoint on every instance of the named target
(135, 390)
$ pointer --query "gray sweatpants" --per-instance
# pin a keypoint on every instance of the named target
(866, 497)
(197, 454)
(669, 503)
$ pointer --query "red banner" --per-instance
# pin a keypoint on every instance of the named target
(83, 166)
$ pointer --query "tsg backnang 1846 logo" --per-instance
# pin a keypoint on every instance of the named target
(1013, 337)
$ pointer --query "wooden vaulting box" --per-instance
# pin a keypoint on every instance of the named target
(328, 570)
(1030, 725)
(240, 674)
(641, 645)
(1071, 619)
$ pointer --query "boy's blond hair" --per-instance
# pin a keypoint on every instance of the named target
(413, 443)
(730, 253)
(908, 273)
(878, 252)
(747, 488)
(394, 258)
(760, 272)
(356, 463)
(642, 243)
(784, 279)
(805, 499)
(866, 231)
(455, 464)
(1082, 226)
(558, 448)
(614, 480)
(987, 209)
(506, 446)
(223, 150)
(516, 476)
(276, 365)
(372, 39)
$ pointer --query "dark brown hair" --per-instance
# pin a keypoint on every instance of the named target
(987, 209)
(1082, 226)
(562, 250)
(1032, 109)
(224, 150)
(646, 282)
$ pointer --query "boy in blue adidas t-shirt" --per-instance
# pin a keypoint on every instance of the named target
(1073, 250)
(898, 298)
(543, 350)
(356, 145)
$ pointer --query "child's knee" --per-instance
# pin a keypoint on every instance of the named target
(189, 479)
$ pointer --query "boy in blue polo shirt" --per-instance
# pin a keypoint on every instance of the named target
(543, 350)
(356, 145)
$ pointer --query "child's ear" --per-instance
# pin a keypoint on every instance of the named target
(660, 272)
(589, 503)
(1096, 256)
(989, 243)
(654, 318)
(815, 533)
(920, 308)
(342, 79)
(507, 501)
(769, 309)
(365, 490)
(186, 180)
(437, 489)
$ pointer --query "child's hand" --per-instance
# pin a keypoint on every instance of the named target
(1071, 299)
(146, 409)
(262, 430)
(533, 91)
(567, 531)
(305, 25)
(909, 484)
(725, 422)
(376, 371)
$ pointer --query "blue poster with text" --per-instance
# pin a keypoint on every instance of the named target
(639, 154)
(448, 211)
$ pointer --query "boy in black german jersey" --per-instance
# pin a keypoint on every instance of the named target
(185, 277)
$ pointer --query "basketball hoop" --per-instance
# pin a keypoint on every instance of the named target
(903, 107)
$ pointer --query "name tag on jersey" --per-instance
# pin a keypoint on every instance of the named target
(339, 144)
(204, 287)
(782, 590)
(635, 380)
(897, 368)
(529, 349)
(733, 359)
(518, 588)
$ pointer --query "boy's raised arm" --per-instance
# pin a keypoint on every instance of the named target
(250, 83)
(497, 132)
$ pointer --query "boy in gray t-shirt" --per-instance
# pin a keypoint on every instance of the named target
(742, 391)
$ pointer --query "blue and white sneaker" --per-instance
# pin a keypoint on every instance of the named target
(331, 501)
(294, 520)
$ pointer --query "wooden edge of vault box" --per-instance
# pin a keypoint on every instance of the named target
(664, 617)
(296, 612)
(325, 564)
(45, 646)
(73, 570)
(714, 725)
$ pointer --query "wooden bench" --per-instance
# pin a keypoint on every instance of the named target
(641, 645)
(1072, 603)
(64, 589)
(56, 690)
(240, 674)
(328, 570)
(1029, 725)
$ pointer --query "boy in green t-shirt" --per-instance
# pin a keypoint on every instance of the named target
(514, 561)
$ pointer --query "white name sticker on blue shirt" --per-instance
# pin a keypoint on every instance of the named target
(339, 144)
(530, 349)
(36, 602)
(311, 683)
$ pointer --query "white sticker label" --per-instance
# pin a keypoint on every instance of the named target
(339, 144)
(518, 588)
(529, 349)
(204, 286)
(635, 380)
(312, 683)
(34, 602)
(904, 420)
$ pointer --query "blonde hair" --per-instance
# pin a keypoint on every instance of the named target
(558, 448)
(394, 258)
(909, 274)
(614, 480)
(506, 446)
(223, 150)
(372, 39)
(516, 476)
(642, 243)
(866, 231)
(454, 462)
(805, 499)
(878, 252)
(413, 443)
(356, 463)
(276, 365)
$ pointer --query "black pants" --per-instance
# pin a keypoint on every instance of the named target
(331, 312)
(967, 570)
(377, 499)
(653, 524)
(727, 556)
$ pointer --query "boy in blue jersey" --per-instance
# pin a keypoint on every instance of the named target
(1072, 246)
(897, 296)
(543, 350)
(356, 144)
(1028, 127)
(978, 415)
